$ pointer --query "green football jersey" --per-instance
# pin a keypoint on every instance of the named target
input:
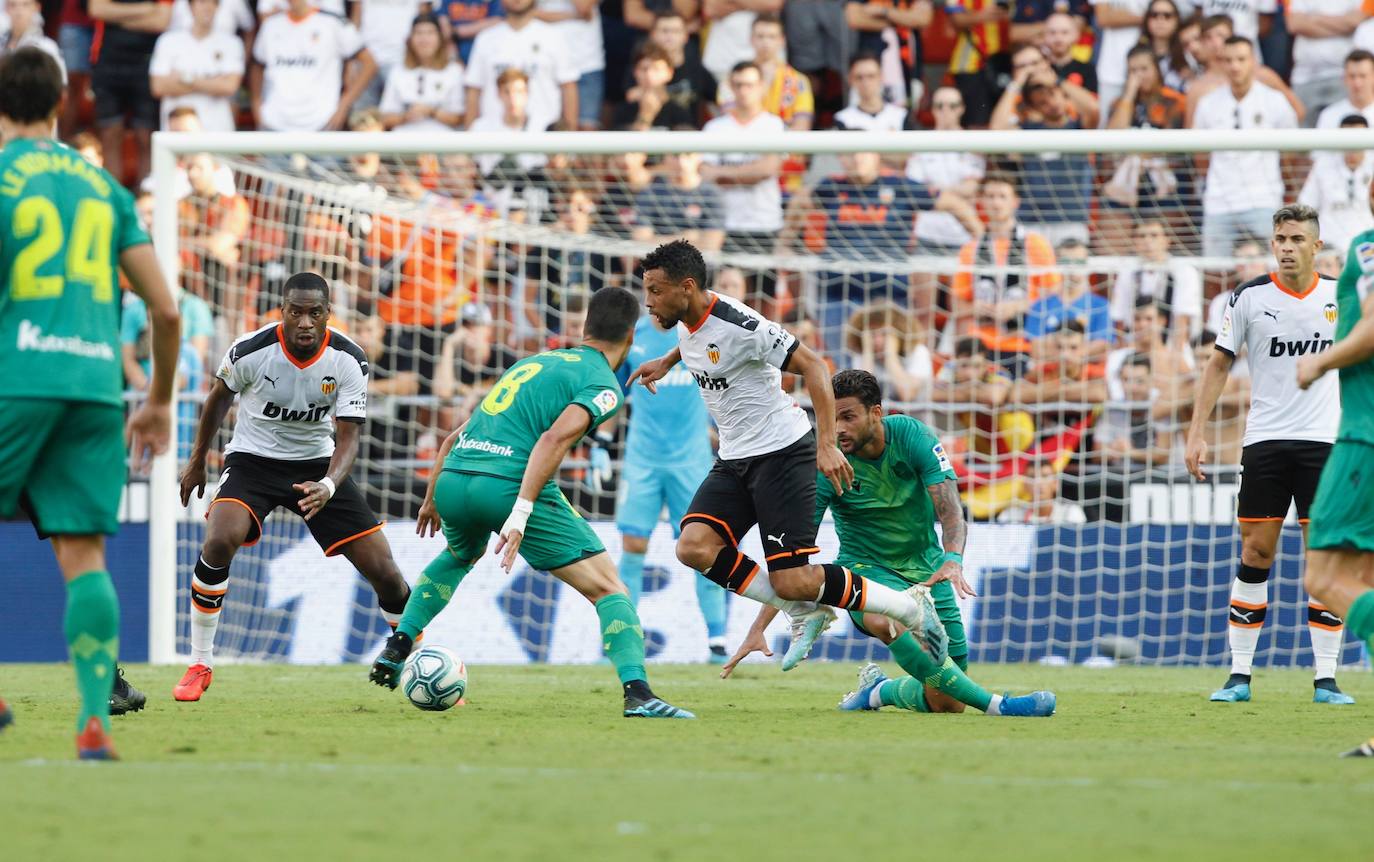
(1357, 381)
(525, 403)
(886, 517)
(63, 224)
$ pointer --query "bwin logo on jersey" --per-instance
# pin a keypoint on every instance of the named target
(1330, 311)
(714, 384)
(328, 385)
(313, 413)
(1299, 348)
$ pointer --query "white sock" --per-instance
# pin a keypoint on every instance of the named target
(894, 605)
(760, 589)
(1327, 631)
(207, 602)
(994, 706)
(1249, 602)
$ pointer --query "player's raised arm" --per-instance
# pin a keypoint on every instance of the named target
(550, 450)
(150, 427)
(816, 374)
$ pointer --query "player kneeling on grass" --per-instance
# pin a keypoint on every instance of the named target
(886, 525)
(294, 379)
(495, 474)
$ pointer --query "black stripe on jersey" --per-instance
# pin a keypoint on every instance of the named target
(730, 314)
(1254, 282)
(787, 360)
(341, 342)
(266, 338)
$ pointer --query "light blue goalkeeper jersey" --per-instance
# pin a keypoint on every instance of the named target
(670, 428)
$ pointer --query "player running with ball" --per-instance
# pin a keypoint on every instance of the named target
(302, 391)
(765, 472)
(1340, 543)
(496, 474)
(886, 524)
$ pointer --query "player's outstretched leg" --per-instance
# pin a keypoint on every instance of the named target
(371, 556)
(231, 523)
(622, 634)
(431, 594)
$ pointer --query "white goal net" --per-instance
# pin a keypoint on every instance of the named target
(1056, 354)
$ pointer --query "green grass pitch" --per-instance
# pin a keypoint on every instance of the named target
(314, 763)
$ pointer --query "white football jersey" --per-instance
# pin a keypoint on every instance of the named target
(1277, 326)
(736, 357)
(287, 407)
(303, 65)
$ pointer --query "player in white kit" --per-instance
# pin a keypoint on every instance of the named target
(300, 385)
(1289, 432)
(765, 472)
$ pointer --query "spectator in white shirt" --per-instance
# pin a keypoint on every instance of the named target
(268, 8)
(748, 181)
(1358, 80)
(1213, 31)
(1252, 19)
(1243, 188)
(185, 120)
(24, 28)
(1323, 33)
(384, 26)
(580, 23)
(727, 41)
(535, 47)
(1120, 22)
(1338, 188)
(1173, 284)
(297, 78)
(940, 233)
(232, 17)
(424, 92)
(869, 110)
(199, 68)
(513, 89)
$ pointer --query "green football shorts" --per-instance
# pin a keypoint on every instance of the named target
(64, 464)
(942, 594)
(474, 505)
(1343, 512)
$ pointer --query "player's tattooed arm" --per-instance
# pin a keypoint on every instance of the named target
(217, 405)
(949, 509)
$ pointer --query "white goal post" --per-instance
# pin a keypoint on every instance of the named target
(1058, 598)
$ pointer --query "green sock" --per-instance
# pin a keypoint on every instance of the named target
(1360, 621)
(947, 678)
(904, 693)
(961, 662)
(91, 625)
(432, 592)
(622, 637)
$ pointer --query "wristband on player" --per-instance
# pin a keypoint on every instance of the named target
(953, 556)
(519, 516)
(329, 483)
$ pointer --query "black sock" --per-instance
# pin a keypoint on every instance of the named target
(638, 689)
(394, 605)
(842, 589)
(1237, 679)
(731, 569)
(1326, 682)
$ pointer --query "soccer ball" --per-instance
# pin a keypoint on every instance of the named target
(434, 678)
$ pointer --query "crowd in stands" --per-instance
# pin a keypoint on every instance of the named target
(1052, 378)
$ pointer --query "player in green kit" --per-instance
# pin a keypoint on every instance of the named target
(495, 475)
(1340, 538)
(66, 227)
(886, 524)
